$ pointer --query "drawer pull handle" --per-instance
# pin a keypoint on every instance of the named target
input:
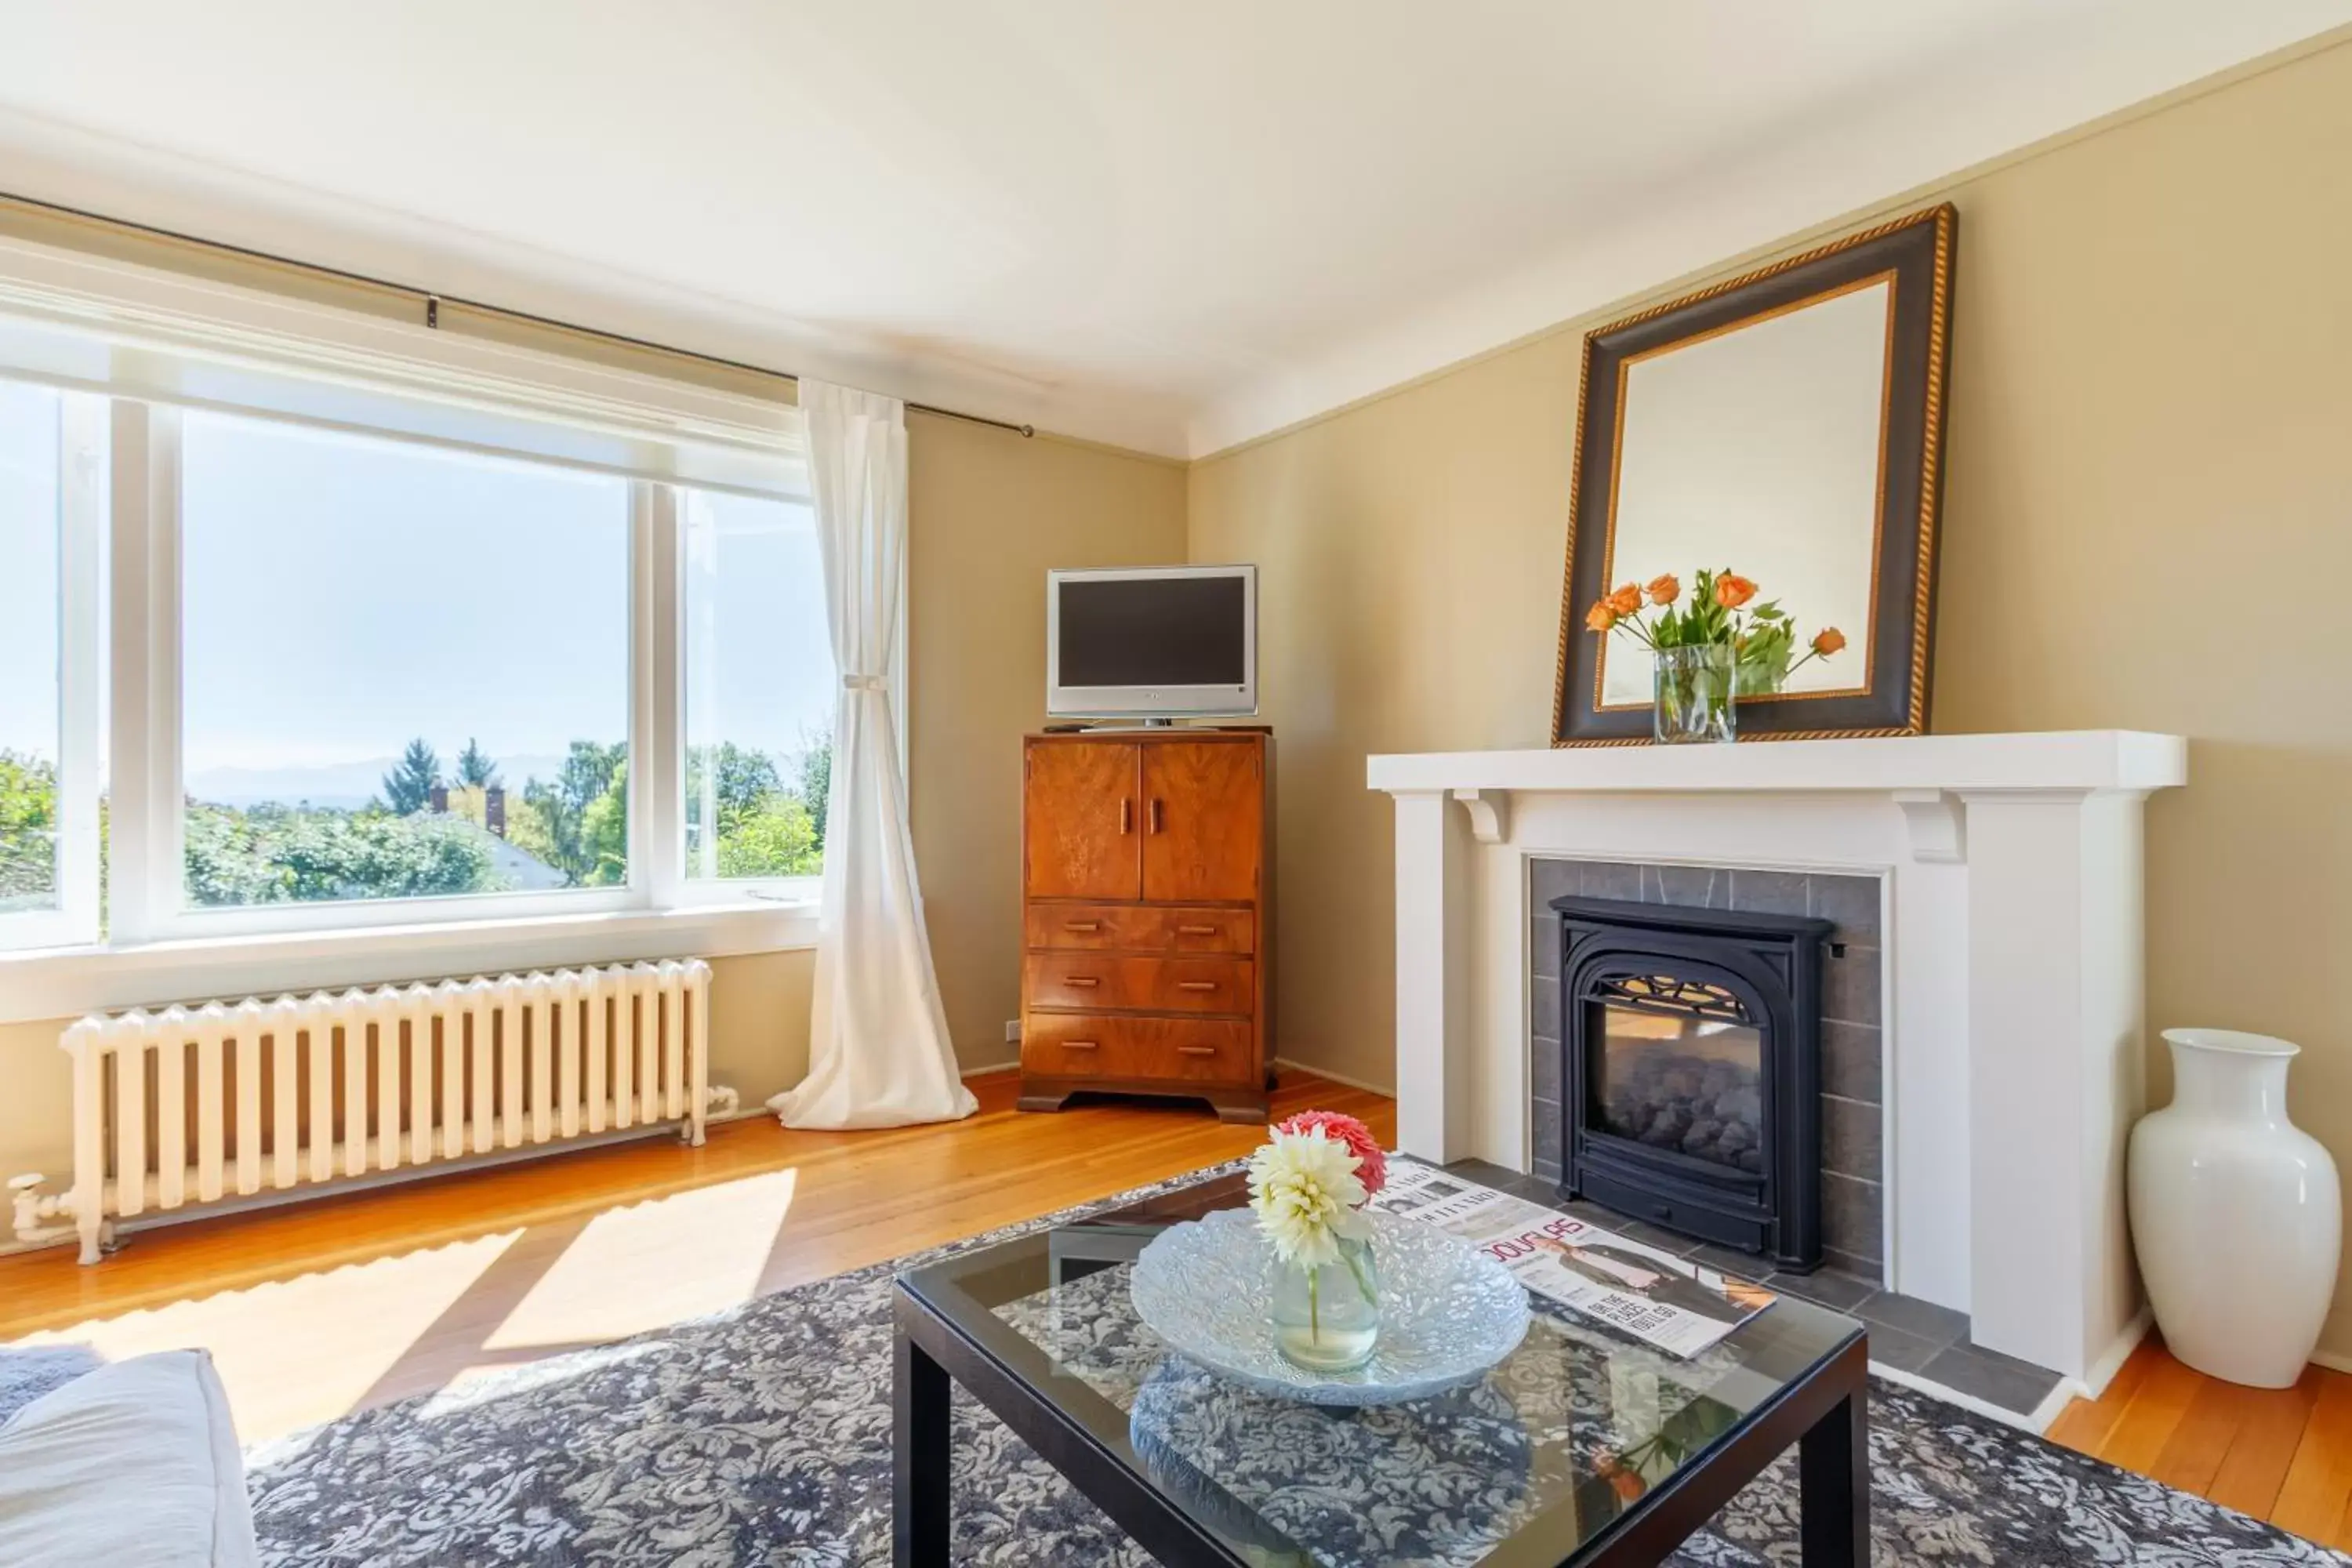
(1196, 1050)
(1083, 981)
(1078, 1046)
(1082, 925)
(1159, 815)
(1196, 986)
(1126, 815)
(1196, 931)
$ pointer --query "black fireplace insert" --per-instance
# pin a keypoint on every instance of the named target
(1691, 1071)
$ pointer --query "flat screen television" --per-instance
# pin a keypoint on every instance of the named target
(1158, 642)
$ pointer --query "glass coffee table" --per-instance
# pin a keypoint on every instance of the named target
(1583, 1447)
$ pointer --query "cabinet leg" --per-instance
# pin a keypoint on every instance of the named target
(1241, 1106)
(1043, 1101)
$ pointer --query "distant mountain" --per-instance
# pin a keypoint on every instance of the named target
(343, 785)
(346, 786)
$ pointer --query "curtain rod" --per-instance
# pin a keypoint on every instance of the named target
(432, 301)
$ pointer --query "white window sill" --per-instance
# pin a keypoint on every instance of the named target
(65, 983)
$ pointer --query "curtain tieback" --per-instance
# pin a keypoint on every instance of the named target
(866, 683)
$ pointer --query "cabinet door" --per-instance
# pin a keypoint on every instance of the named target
(1080, 817)
(1204, 819)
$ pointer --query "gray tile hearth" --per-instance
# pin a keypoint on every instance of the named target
(1906, 1333)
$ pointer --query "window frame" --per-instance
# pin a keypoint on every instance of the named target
(156, 708)
(694, 891)
(81, 664)
(120, 675)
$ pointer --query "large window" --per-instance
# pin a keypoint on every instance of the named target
(759, 690)
(405, 670)
(541, 659)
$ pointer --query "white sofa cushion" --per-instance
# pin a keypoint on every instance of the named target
(136, 1462)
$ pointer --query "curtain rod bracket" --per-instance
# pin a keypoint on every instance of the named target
(433, 310)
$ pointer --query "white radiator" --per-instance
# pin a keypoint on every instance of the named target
(195, 1104)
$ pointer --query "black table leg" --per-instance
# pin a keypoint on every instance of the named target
(1833, 1486)
(919, 1444)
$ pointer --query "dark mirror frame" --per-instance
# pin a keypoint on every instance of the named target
(1918, 250)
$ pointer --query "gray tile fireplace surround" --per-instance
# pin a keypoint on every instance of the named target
(1907, 1333)
(1852, 1168)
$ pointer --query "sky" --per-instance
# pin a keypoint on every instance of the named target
(341, 596)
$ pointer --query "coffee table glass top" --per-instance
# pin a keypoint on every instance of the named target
(1543, 1454)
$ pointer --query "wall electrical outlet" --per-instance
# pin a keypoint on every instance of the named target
(1011, 1031)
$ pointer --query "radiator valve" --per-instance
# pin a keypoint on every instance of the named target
(32, 1205)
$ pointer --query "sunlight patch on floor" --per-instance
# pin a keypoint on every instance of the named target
(300, 1351)
(654, 1264)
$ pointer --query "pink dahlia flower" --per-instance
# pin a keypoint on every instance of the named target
(1372, 1164)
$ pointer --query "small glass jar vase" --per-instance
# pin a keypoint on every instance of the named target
(1328, 1318)
(1694, 694)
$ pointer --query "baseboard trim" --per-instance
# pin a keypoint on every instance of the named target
(1013, 1065)
(2333, 1361)
(1387, 1092)
(377, 1180)
(2102, 1371)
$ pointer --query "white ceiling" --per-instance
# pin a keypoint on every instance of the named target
(1170, 226)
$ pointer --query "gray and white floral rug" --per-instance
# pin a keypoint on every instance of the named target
(762, 1435)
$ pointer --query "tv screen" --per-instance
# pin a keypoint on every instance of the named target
(1148, 643)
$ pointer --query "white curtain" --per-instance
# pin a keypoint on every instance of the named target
(879, 1049)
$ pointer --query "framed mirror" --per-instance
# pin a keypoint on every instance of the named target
(1786, 426)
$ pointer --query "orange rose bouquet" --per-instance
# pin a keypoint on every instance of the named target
(1721, 610)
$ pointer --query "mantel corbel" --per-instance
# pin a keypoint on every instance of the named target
(1490, 812)
(1939, 823)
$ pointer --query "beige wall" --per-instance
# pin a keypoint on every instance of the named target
(2147, 524)
(989, 514)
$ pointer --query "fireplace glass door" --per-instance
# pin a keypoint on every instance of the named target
(1679, 1070)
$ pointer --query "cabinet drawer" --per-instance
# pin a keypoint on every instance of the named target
(1076, 1044)
(1141, 928)
(1171, 984)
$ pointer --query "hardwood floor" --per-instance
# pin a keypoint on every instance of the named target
(322, 1307)
(319, 1309)
(2283, 1454)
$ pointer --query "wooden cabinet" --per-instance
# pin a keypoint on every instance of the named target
(1146, 916)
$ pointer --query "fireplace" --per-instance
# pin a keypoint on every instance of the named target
(1691, 1071)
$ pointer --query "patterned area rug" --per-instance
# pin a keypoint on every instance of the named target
(762, 1435)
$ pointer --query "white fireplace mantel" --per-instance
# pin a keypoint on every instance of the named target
(2010, 874)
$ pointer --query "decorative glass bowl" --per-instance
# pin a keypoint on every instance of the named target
(1447, 1313)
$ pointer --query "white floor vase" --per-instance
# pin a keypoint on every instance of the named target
(2235, 1211)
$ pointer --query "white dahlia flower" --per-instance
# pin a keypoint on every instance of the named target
(1304, 1189)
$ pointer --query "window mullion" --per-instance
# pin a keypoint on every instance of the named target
(656, 833)
(81, 665)
(144, 829)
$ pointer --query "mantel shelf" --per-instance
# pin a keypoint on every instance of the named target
(2085, 760)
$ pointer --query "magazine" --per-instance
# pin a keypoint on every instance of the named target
(1664, 1301)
